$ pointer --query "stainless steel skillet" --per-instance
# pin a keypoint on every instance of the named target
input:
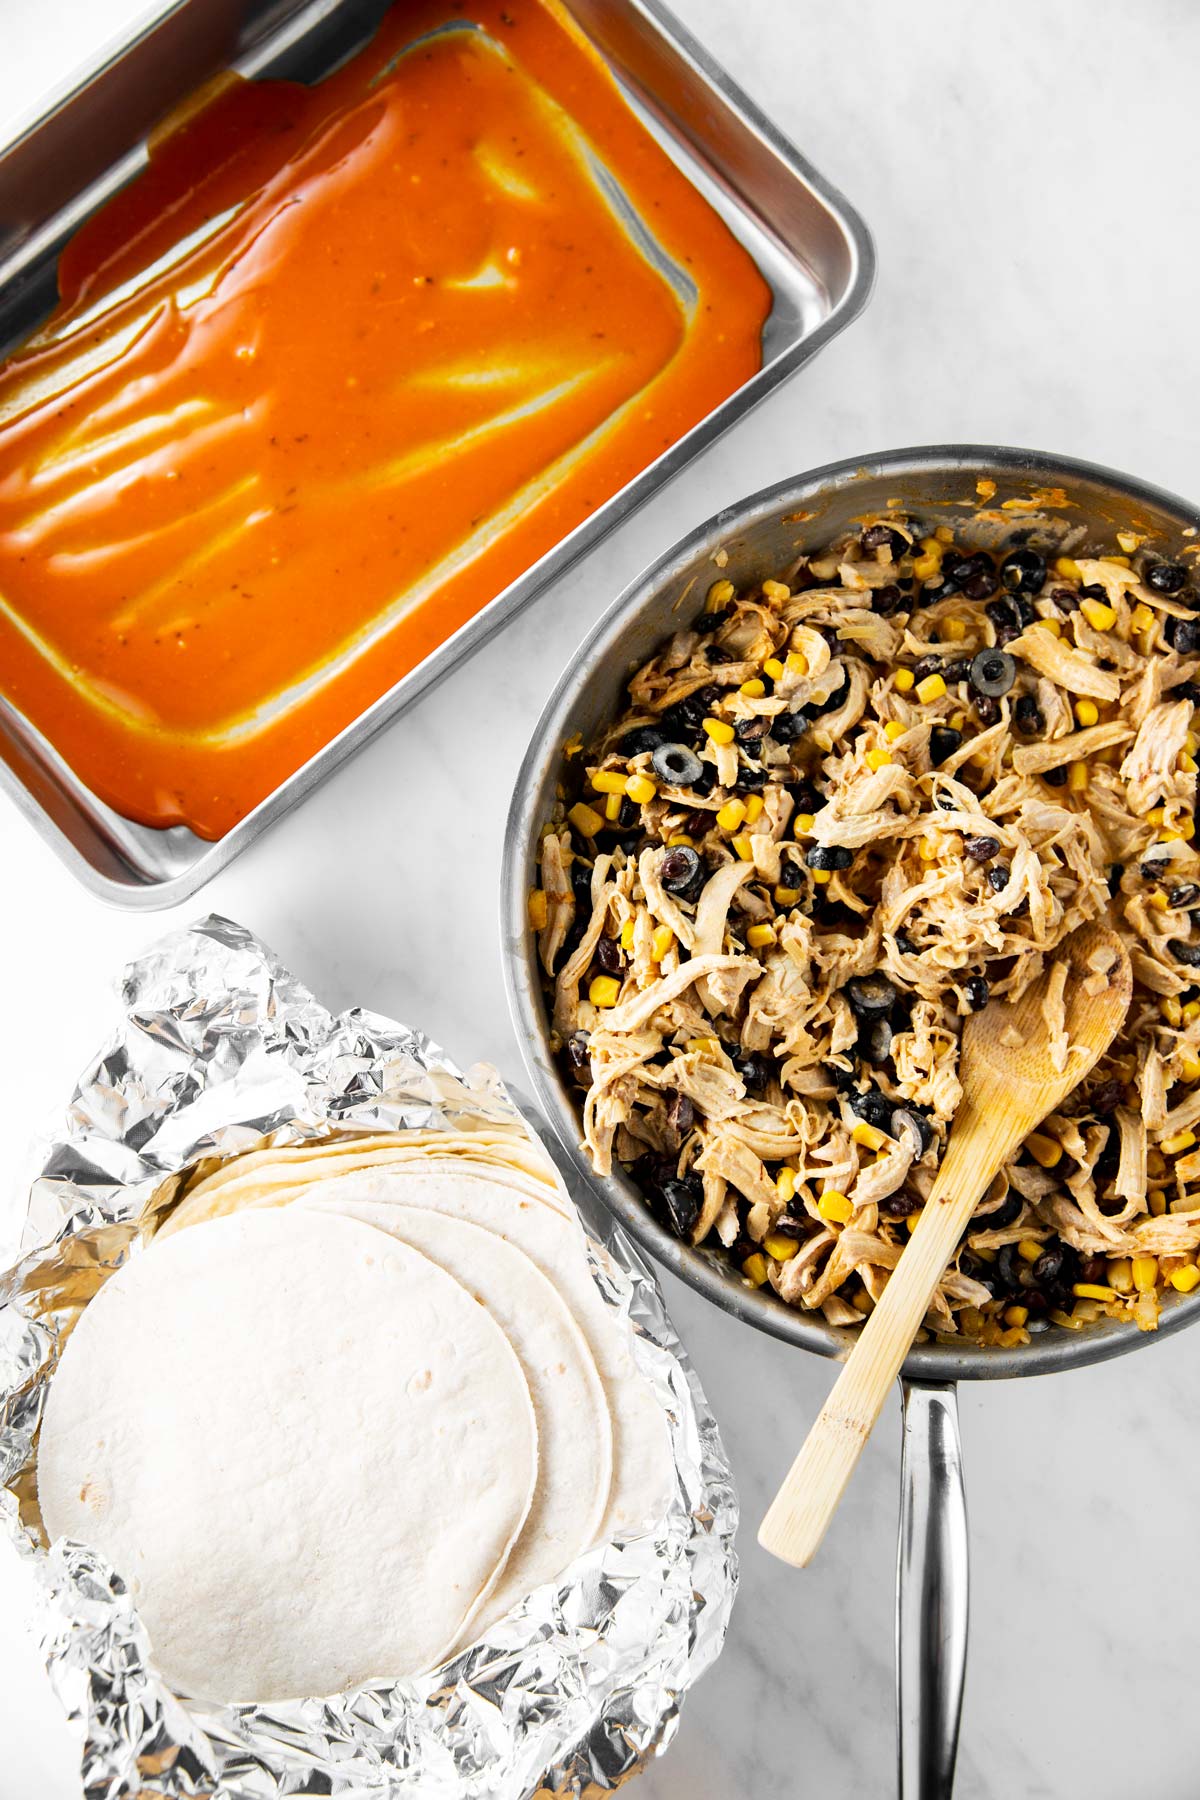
(966, 486)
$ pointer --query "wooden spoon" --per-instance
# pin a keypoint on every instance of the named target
(1009, 1085)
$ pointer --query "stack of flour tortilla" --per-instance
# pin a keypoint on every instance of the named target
(353, 1403)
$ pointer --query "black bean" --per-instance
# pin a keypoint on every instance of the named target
(998, 877)
(1152, 871)
(993, 672)
(880, 537)
(873, 1107)
(1056, 777)
(1066, 599)
(786, 727)
(958, 670)
(644, 737)
(681, 1113)
(1185, 953)
(870, 996)
(676, 765)
(887, 599)
(1048, 1267)
(608, 955)
(906, 1121)
(629, 814)
(895, 1206)
(1115, 874)
(987, 710)
(791, 875)
(963, 564)
(750, 731)
(806, 796)
(829, 856)
(1187, 690)
(938, 590)
(1186, 894)
(1004, 616)
(1093, 1268)
(1007, 1213)
(716, 653)
(928, 665)
(905, 944)
(1107, 1097)
(575, 1055)
(977, 992)
(711, 621)
(1009, 1268)
(581, 883)
(755, 1070)
(943, 742)
(1165, 577)
(1185, 636)
(842, 1079)
(980, 848)
(683, 1200)
(815, 708)
(690, 713)
(751, 780)
(1023, 572)
(681, 871)
(981, 586)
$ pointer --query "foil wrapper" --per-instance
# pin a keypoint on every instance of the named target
(220, 1048)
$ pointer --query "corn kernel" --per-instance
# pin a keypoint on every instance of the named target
(797, 662)
(1143, 617)
(681, 837)
(1068, 568)
(1016, 1315)
(805, 822)
(1187, 827)
(958, 721)
(1091, 1290)
(608, 781)
(931, 546)
(755, 1269)
(1156, 1200)
(585, 820)
(1043, 1149)
(1185, 1279)
(705, 1046)
(719, 731)
(785, 1183)
(1191, 1011)
(910, 1223)
(780, 1247)
(862, 1302)
(743, 848)
(1158, 900)
(754, 807)
(1030, 1249)
(893, 730)
(612, 807)
(1050, 625)
(904, 679)
(1098, 614)
(954, 629)
(1156, 1163)
(626, 939)
(753, 689)
(926, 567)
(661, 942)
(573, 745)
(1189, 1067)
(879, 759)
(822, 877)
(786, 896)
(641, 788)
(730, 816)
(1087, 712)
(539, 910)
(834, 1205)
(773, 667)
(719, 595)
(1172, 1012)
(1129, 541)
(1122, 562)
(1156, 815)
(1120, 1275)
(1077, 778)
(869, 1136)
(927, 850)
(759, 936)
(944, 534)
(1187, 763)
(1008, 1340)
(1181, 1140)
(776, 590)
(604, 990)
(932, 688)
(1145, 1273)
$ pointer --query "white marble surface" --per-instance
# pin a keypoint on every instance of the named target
(1029, 175)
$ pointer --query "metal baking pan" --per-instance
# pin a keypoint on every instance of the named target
(811, 247)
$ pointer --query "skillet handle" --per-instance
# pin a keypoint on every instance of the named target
(932, 1577)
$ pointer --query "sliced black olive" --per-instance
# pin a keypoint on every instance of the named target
(644, 737)
(1027, 716)
(873, 1107)
(1007, 1213)
(980, 848)
(977, 992)
(1186, 894)
(871, 996)
(1165, 577)
(829, 856)
(786, 727)
(1010, 1268)
(875, 1041)
(677, 765)
(1185, 953)
(681, 871)
(908, 1123)
(943, 742)
(993, 673)
(998, 877)
(683, 1200)
(1023, 572)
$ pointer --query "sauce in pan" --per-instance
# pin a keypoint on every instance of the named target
(338, 366)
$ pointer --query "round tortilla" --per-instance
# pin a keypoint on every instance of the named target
(306, 1447)
(555, 1243)
(574, 1429)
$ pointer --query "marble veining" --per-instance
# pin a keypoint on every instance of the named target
(1028, 176)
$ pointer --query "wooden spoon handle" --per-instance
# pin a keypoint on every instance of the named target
(800, 1512)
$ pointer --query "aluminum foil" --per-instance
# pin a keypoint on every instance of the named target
(220, 1047)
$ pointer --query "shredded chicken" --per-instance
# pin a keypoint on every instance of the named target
(864, 801)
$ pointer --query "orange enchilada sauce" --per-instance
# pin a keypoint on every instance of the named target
(338, 366)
